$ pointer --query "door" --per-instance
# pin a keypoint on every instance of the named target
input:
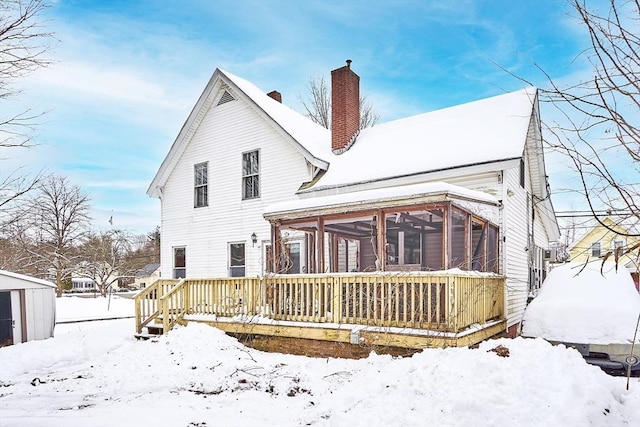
(6, 319)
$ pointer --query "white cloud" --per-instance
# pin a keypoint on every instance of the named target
(114, 84)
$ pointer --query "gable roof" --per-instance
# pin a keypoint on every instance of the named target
(479, 132)
(311, 139)
(597, 232)
(147, 270)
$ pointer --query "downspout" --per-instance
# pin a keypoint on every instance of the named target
(502, 268)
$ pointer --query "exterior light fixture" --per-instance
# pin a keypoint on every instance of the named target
(254, 239)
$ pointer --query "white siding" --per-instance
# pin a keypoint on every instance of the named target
(40, 313)
(225, 133)
(525, 240)
(515, 253)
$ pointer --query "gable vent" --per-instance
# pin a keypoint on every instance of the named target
(226, 97)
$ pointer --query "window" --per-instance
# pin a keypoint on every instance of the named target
(618, 246)
(291, 261)
(236, 259)
(250, 175)
(200, 178)
(595, 249)
(179, 263)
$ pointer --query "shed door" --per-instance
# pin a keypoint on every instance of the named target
(6, 319)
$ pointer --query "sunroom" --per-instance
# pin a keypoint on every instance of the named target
(422, 227)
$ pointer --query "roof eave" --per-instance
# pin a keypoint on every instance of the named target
(381, 203)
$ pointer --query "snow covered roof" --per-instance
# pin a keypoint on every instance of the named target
(478, 132)
(391, 196)
(147, 270)
(24, 278)
(312, 137)
(313, 140)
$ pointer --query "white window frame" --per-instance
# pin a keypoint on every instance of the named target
(201, 185)
(593, 250)
(252, 175)
(175, 268)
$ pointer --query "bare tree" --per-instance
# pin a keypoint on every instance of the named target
(52, 224)
(23, 45)
(599, 125)
(106, 259)
(318, 106)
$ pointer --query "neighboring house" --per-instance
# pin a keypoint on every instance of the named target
(600, 241)
(27, 308)
(147, 275)
(83, 284)
(463, 187)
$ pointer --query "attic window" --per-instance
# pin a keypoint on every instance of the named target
(226, 97)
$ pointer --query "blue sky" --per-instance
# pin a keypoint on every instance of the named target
(127, 73)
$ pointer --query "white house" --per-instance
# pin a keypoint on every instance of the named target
(83, 284)
(27, 308)
(250, 186)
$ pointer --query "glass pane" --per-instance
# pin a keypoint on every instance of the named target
(293, 250)
(236, 254)
(179, 257)
(179, 273)
(477, 246)
(201, 196)
(250, 163)
(237, 271)
(200, 174)
(251, 187)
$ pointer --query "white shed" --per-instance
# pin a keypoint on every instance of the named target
(27, 308)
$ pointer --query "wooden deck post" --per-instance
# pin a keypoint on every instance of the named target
(336, 298)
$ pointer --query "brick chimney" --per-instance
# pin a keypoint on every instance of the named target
(345, 108)
(275, 95)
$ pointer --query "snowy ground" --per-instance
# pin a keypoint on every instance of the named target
(97, 374)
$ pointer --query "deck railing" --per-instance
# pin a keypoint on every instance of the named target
(435, 301)
(147, 302)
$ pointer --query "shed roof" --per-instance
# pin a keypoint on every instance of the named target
(21, 277)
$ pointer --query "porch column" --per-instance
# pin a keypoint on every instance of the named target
(381, 237)
(446, 236)
(320, 246)
(275, 248)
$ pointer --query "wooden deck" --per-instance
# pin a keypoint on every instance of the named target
(400, 309)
